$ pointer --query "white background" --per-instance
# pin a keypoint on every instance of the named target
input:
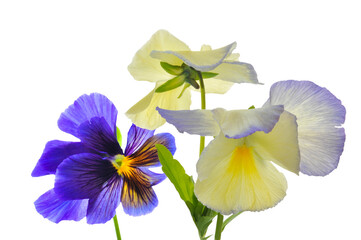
(51, 52)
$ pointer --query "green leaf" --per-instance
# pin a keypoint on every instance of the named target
(176, 174)
(184, 184)
(209, 74)
(171, 84)
(119, 137)
(171, 69)
(251, 107)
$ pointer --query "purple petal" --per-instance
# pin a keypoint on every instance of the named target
(97, 135)
(147, 154)
(50, 206)
(136, 137)
(54, 153)
(102, 207)
(154, 178)
(241, 123)
(138, 197)
(83, 176)
(319, 117)
(85, 108)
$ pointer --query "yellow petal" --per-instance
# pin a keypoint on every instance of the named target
(200, 60)
(213, 85)
(281, 144)
(145, 68)
(144, 113)
(237, 72)
(228, 74)
(232, 178)
(230, 57)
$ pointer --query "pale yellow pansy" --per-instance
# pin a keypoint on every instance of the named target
(235, 172)
(164, 47)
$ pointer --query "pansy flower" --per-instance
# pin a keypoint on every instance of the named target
(235, 172)
(173, 67)
(94, 175)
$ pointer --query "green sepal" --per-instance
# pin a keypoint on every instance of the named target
(119, 137)
(209, 74)
(171, 84)
(192, 82)
(184, 184)
(186, 85)
(171, 69)
(251, 107)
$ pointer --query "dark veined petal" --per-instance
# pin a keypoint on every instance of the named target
(50, 206)
(85, 108)
(102, 207)
(147, 154)
(98, 135)
(54, 153)
(82, 176)
(154, 178)
(138, 197)
(136, 137)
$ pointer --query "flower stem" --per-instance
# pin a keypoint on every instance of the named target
(116, 225)
(219, 226)
(203, 106)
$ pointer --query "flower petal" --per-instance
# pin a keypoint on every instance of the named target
(97, 135)
(145, 68)
(102, 207)
(203, 61)
(232, 178)
(319, 117)
(50, 206)
(213, 85)
(241, 123)
(280, 145)
(147, 154)
(136, 137)
(85, 108)
(200, 122)
(143, 113)
(138, 197)
(237, 72)
(83, 176)
(54, 153)
(153, 178)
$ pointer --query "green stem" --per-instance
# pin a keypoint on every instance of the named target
(116, 225)
(219, 227)
(203, 106)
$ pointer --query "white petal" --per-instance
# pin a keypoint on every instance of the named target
(203, 61)
(280, 145)
(144, 113)
(319, 114)
(241, 123)
(231, 178)
(145, 68)
(200, 122)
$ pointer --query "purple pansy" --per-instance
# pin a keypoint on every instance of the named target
(94, 175)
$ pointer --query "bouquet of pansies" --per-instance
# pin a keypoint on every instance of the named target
(298, 128)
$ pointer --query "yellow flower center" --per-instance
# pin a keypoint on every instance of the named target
(122, 164)
(242, 161)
